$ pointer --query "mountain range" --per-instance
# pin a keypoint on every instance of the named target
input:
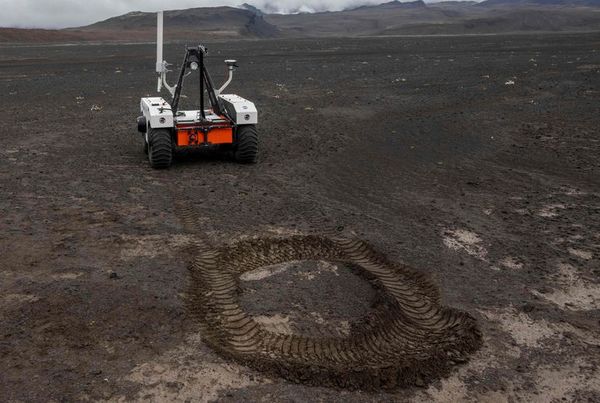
(391, 18)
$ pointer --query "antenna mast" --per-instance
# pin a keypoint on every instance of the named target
(161, 64)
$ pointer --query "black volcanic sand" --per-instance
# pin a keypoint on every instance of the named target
(472, 159)
(312, 298)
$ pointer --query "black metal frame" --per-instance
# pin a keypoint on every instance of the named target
(206, 84)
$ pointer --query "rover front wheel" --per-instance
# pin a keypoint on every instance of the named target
(246, 150)
(160, 148)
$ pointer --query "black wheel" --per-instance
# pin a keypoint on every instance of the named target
(145, 146)
(160, 148)
(246, 150)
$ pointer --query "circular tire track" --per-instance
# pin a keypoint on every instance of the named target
(408, 338)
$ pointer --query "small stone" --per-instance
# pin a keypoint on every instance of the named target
(527, 307)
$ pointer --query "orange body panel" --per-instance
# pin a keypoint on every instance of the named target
(191, 137)
(221, 136)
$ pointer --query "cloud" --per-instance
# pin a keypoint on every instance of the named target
(73, 13)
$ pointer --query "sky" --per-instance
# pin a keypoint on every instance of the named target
(73, 13)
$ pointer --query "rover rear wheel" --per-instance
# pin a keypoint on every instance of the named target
(246, 150)
(160, 148)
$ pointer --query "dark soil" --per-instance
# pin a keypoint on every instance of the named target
(311, 298)
(421, 146)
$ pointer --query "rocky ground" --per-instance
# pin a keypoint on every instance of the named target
(473, 160)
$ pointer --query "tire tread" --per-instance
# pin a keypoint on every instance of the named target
(160, 149)
(246, 151)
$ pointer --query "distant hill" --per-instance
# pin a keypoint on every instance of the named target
(19, 35)
(212, 22)
(585, 3)
(366, 20)
(390, 18)
(509, 21)
(197, 23)
(393, 5)
(418, 18)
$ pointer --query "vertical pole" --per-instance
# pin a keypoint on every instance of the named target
(210, 87)
(177, 95)
(159, 43)
(202, 78)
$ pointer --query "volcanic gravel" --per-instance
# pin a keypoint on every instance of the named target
(472, 159)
